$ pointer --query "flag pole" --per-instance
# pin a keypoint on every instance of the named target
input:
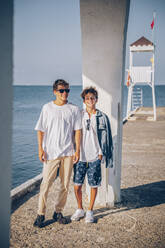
(153, 66)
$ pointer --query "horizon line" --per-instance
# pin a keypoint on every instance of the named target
(75, 84)
(42, 85)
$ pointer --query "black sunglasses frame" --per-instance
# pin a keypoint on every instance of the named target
(62, 90)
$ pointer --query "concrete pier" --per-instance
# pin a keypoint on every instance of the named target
(137, 222)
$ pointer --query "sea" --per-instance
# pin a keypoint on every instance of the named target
(27, 104)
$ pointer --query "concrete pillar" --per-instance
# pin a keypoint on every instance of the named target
(104, 25)
(6, 27)
(130, 59)
(153, 85)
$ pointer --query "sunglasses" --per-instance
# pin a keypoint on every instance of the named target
(62, 90)
(88, 121)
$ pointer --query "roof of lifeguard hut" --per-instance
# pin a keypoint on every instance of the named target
(142, 45)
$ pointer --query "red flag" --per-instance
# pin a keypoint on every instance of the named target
(152, 23)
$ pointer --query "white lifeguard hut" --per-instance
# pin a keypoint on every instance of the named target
(138, 75)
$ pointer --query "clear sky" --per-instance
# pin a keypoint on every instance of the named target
(47, 39)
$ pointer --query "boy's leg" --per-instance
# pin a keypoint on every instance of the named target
(94, 180)
(92, 198)
(49, 175)
(78, 178)
(79, 213)
(64, 174)
(78, 194)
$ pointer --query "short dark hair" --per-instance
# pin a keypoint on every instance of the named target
(60, 82)
(91, 90)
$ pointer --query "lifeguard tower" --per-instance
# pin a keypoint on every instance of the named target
(138, 75)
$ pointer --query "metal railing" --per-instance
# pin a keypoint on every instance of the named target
(137, 98)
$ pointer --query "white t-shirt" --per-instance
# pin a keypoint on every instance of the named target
(58, 124)
(90, 148)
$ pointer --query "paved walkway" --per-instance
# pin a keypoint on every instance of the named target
(139, 221)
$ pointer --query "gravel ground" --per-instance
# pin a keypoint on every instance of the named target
(137, 222)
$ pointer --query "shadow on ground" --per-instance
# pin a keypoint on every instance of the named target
(51, 221)
(147, 195)
(18, 202)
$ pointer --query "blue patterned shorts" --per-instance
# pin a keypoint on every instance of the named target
(93, 171)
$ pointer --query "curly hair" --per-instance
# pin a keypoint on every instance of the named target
(91, 90)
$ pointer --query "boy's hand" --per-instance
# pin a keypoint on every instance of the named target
(42, 155)
(76, 157)
(100, 157)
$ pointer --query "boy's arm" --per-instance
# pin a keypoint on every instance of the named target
(41, 153)
(100, 154)
(77, 142)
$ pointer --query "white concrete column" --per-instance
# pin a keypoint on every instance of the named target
(131, 59)
(129, 101)
(6, 27)
(153, 85)
(104, 25)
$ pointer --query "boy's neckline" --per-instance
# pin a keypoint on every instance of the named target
(60, 105)
(91, 113)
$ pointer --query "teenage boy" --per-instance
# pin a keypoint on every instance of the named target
(96, 144)
(59, 121)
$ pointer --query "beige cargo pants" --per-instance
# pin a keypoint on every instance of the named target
(65, 165)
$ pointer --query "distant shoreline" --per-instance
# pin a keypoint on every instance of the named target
(72, 85)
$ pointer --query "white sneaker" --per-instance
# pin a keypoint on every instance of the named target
(78, 215)
(89, 217)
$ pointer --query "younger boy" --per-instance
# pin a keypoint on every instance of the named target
(96, 144)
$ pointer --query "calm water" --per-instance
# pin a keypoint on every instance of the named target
(28, 101)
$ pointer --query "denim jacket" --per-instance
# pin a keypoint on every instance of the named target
(105, 137)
